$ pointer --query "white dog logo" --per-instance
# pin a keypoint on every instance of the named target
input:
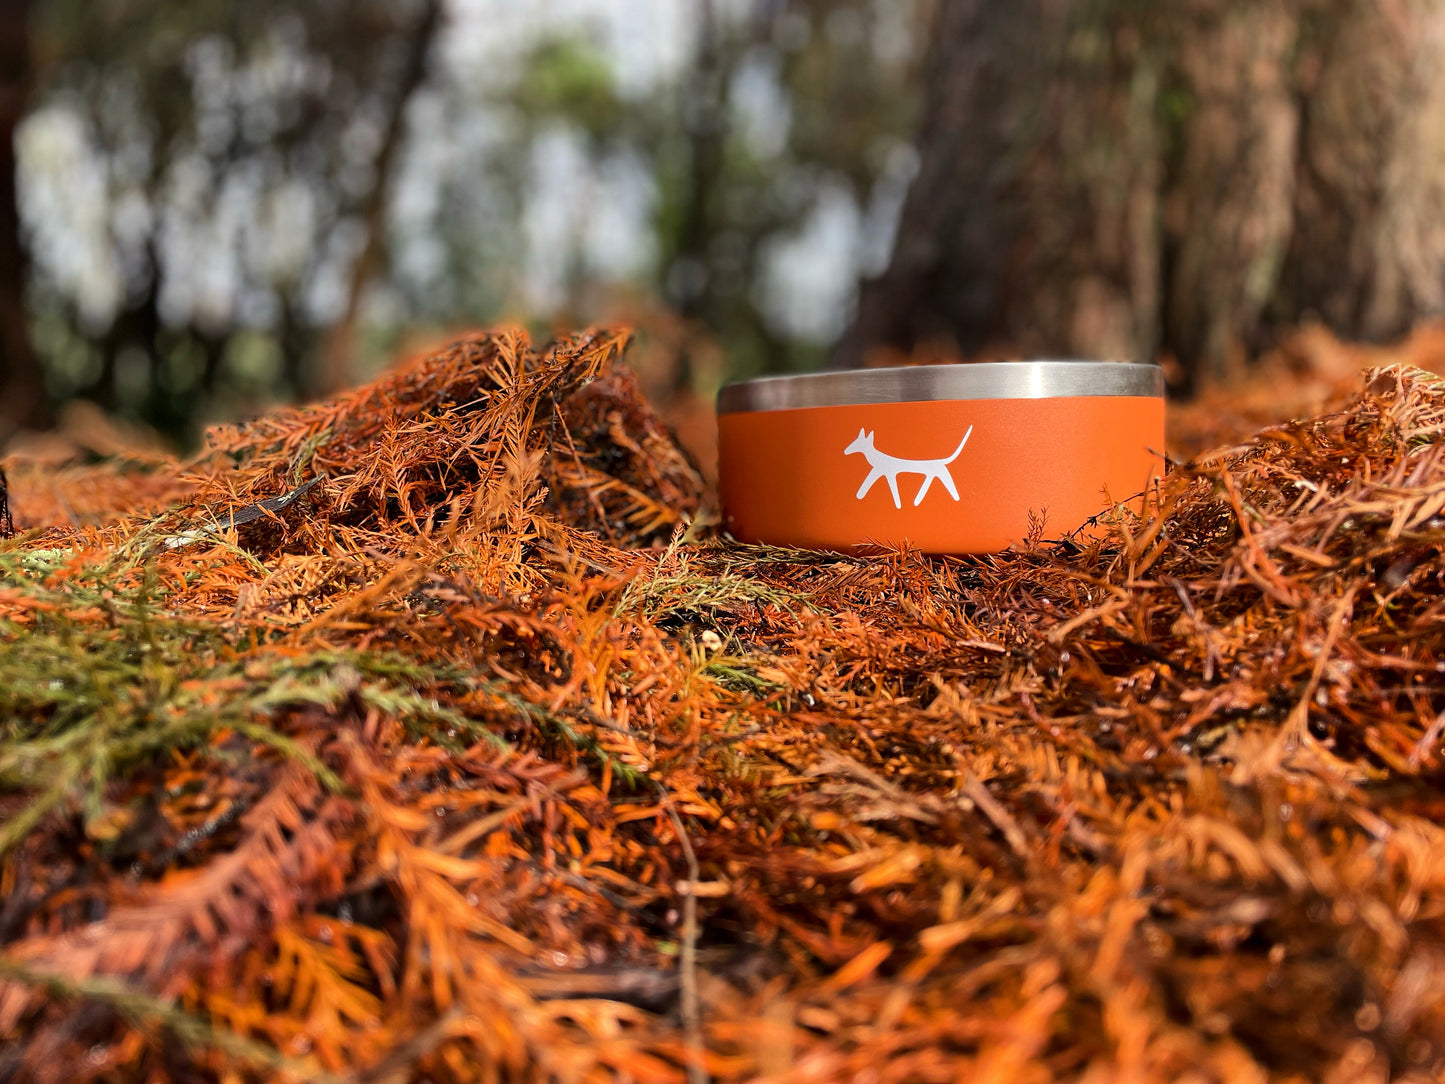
(890, 467)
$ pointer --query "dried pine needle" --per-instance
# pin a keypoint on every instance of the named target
(482, 757)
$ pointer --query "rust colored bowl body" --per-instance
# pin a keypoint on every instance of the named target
(946, 458)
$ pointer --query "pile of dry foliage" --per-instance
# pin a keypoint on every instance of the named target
(432, 733)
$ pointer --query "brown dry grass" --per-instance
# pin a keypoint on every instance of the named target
(497, 765)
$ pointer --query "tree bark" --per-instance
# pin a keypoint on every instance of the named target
(1110, 178)
(23, 401)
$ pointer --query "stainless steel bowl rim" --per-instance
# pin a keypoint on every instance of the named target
(1041, 379)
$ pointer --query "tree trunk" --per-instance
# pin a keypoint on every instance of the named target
(336, 364)
(23, 402)
(1110, 178)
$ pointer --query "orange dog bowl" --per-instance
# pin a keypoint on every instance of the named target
(946, 458)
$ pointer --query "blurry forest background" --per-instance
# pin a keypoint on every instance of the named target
(221, 205)
(214, 206)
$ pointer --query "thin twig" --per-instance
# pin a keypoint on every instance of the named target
(687, 955)
(977, 791)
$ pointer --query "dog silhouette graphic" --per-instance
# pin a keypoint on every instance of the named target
(890, 467)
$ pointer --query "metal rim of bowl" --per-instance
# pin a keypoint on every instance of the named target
(1042, 379)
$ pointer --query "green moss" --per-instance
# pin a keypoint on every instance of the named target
(676, 588)
(101, 681)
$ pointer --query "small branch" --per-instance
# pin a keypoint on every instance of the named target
(977, 792)
(687, 955)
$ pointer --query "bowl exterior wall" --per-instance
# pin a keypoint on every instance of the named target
(946, 476)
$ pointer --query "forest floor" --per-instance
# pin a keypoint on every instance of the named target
(431, 733)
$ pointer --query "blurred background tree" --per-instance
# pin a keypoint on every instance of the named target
(224, 204)
(1122, 178)
(23, 401)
